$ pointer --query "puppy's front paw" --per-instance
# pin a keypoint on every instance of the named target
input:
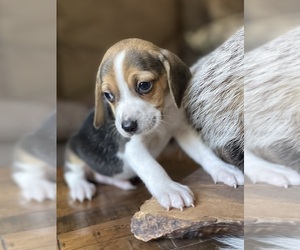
(82, 190)
(173, 194)
(280, 176)
(228, 175)
(35, 187)
(40, 190)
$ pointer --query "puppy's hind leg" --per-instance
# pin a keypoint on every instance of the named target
(220, 171)
(122, 184)
(32, 180)
(260, 170)
(80, 187)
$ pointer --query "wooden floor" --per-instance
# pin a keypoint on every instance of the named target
(104, 222)
(271, 210)
(24, 225)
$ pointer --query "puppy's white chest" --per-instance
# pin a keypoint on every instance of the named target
(172, 123)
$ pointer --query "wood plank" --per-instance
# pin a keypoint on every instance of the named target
(271, 210)
(113, 234)
(34, 220)
(16, 214)
(112, 207)
(109, 204)
(12, 203)
(125, 243)
(43, 238)
(96, 234)
(218, 210)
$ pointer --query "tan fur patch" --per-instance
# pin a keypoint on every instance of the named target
(23, 156)
(73, 158)
(156, 96)
(128, 44)
(133, 75)
(109, 84)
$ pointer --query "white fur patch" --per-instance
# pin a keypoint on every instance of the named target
(80, 187)
(168, 193)
(131, 106)
(122, 184)
(125, 94)
(260, 170)
(220, 171)
(34, 183)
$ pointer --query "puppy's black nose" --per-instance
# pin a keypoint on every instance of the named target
(130, 126)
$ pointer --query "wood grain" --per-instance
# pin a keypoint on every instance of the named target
(104, 222)
(24, 225)
(272, 210)
(42, 238)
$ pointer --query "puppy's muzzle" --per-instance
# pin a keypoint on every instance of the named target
(130, 126)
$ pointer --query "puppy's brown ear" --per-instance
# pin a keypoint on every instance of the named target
(99, 109)
(178, 74)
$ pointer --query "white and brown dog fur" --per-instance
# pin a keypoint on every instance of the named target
(144, 86)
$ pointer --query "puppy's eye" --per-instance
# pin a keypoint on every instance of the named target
(144, 87)
(109, 96)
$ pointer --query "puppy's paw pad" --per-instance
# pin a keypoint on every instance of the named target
(175, 195)
(82, 190)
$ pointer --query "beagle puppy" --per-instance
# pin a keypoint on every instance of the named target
(139, 92)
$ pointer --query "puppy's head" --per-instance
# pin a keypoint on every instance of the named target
(135, 76)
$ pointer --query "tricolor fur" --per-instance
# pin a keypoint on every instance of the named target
(144, 86)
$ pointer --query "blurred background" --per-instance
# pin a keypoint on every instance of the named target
(272, 214)
(27, 98)
(27, 69)
(265, 20)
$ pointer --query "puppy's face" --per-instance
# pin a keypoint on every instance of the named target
(134, 77)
